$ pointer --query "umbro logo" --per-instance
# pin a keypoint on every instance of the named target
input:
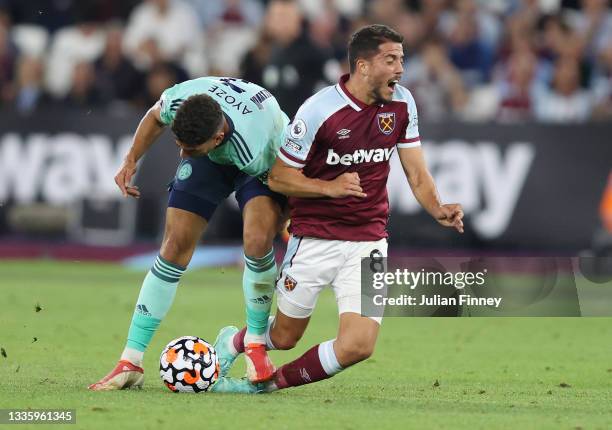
(344, 133)
(304, 374)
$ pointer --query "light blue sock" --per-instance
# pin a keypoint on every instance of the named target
(156, 297)
(258, 288)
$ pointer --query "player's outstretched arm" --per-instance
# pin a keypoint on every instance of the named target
(424, 189)
(290, 181)
(149, 129)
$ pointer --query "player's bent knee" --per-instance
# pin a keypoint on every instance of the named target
(284, 340)
(350, 353)
(257, 244)
(284, 343)
(177, 250)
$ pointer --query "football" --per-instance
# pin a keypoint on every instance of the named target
(189, 364)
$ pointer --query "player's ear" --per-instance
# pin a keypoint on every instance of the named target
(219, 138)
(362, 66)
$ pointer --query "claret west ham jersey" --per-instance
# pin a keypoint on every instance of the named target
(333, 133)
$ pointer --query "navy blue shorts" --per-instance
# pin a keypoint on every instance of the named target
(200, 185)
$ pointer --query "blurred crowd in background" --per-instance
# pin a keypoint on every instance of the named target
(472, 60)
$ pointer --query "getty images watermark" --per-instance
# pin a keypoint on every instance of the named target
(411, 280)
(491, 286)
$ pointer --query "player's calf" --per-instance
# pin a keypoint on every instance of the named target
(356, 338)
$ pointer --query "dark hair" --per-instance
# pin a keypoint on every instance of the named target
(365, 41)
(197, 119)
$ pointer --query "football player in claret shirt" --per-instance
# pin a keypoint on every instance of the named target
(334, 165)
(229, 132)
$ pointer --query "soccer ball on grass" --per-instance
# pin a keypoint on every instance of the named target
(189, 365)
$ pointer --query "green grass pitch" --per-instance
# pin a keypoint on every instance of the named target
(491, 373)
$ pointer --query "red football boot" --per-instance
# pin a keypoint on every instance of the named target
(259, 367)
(124, 375)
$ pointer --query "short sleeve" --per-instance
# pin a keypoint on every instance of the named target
(169, 102)
(300, 136)
(410, 138)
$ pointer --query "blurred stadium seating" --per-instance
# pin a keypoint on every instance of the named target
(507, 60)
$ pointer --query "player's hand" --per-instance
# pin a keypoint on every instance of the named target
(345, 185)
(451, 215)
(123, 178)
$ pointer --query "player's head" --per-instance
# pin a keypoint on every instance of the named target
(376, 55)
(198, 125)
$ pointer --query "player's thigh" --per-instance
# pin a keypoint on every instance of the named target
(287, 331)
(309, 266)
(200, 185)
(261, 216)
(347, 284)
(356, 338)
(197, 189)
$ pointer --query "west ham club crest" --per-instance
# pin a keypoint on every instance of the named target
(386, 122)
(290, 283)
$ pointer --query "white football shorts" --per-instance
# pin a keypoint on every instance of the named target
(312, 264)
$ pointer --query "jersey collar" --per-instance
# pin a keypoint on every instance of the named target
(353, 102)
